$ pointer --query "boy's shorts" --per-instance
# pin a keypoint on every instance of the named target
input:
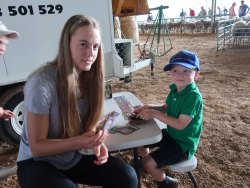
(169, 152)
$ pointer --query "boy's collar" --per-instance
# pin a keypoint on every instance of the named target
(185, 90)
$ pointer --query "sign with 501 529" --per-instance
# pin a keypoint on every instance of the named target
(24, 10)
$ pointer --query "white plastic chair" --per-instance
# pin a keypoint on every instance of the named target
(186, 166)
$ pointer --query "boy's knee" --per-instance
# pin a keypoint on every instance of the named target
(148, 163)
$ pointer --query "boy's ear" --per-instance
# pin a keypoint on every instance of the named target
(197, 73)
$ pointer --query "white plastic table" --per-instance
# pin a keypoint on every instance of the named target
(148, 133)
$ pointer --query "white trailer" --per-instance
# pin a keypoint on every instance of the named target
(39, 24)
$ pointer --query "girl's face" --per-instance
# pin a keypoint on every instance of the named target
(3, 43)
(84, 46)
(182, 76)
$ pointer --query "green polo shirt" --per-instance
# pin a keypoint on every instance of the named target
(188, 102)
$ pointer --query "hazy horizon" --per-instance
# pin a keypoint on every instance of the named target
(175, 6)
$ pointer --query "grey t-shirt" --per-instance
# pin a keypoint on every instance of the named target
(40, 97)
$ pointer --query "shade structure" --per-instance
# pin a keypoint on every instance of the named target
(129, 7)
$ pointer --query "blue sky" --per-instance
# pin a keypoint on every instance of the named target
(175, 6)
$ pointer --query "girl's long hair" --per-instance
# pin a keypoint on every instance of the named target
(72, 86)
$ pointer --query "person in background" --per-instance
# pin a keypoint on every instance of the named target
(209, 13)
(5, 114)
(183, 14)
(203, 12)
(225, 11)
(5, 35)
(150, 18)
(232, 11)
(219, 12)
(181, 112)
(243, 9)
(191, 12)
(63, 107)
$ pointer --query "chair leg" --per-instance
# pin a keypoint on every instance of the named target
(192, 179)
(137, 170)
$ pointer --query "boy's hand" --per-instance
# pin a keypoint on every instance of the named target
(140, 109)
(147, 114)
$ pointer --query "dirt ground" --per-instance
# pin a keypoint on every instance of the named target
(224, 151)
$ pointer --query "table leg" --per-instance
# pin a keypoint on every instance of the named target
(136, 165)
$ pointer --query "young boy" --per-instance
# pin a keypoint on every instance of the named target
(182, 112)
(5, 35)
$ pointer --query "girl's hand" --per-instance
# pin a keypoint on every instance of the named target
(91, 139)
(101, 153)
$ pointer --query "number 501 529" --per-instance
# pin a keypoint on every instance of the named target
(28, 10)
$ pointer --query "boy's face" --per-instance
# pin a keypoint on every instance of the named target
(3, 43)
(182, 76)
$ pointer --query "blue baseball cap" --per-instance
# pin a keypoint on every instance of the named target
(184, 58)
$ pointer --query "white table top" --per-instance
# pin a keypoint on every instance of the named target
(148, 133)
